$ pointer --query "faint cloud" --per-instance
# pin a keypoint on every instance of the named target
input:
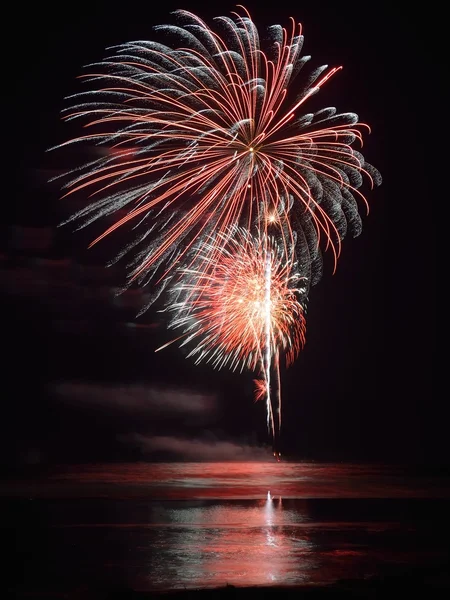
(194, 449)
(135, 398)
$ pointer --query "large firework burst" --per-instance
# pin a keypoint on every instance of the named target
(207, 132)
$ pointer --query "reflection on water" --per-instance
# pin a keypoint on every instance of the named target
(233, 481)
(205, 525)
(243, 544)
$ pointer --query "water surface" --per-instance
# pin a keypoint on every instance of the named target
(192, 525)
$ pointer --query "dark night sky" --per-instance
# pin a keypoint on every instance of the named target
(81, 382)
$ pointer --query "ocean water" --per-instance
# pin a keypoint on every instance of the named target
(200, 525)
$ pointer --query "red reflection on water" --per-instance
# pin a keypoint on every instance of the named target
(262, 560)
(246, 544)
(227, 480)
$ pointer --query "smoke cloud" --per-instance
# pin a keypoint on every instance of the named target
(139, 399)
(194, 450)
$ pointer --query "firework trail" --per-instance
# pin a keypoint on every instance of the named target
(244, 311)
(207, 132)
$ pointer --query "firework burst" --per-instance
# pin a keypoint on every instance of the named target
(227, 310)
(207, 132)
(245, 311)
(230, 186)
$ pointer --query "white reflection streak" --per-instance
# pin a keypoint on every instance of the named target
(270, 538)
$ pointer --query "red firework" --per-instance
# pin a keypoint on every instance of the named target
(205, 135)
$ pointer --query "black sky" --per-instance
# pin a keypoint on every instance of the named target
(362, 389)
